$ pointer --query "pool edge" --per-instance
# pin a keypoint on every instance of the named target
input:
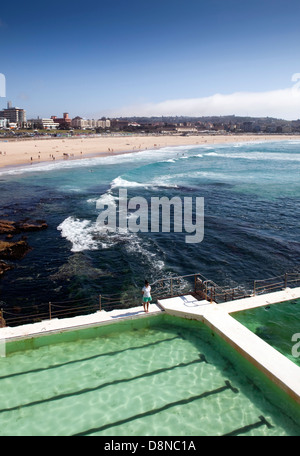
(280, 370)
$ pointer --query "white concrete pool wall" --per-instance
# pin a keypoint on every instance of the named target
(57, 325)
(283, 372)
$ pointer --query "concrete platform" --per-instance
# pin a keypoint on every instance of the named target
(283, 372)
(8, 333)
(183, 306)
(261, 300)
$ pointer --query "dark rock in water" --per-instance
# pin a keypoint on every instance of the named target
(5, 267)
(79, 266)
(35, 225)
(16, 250)
(13, 250)
(9, 227)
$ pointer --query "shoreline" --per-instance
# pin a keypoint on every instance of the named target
(22, 152)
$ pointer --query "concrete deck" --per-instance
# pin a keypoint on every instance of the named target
(261, 300)
(283, 372)
(55, 325)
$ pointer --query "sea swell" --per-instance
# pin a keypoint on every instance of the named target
(251, 193)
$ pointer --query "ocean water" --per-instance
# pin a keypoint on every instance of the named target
(251, 197)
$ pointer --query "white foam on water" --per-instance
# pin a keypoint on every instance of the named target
(294, 142)
(138, 245)
(120, 182)
(79, 233)
(258, 156)
(214, 154)
(162, 181)
(87, 235)
(107, 199)
(170, 160)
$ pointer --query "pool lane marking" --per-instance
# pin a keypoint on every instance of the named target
(103, 385)
(160, 409)
(55, 366)
(262, 422)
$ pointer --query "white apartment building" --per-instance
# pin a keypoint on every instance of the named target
(46, 124)
(82, 124)
(78, 122)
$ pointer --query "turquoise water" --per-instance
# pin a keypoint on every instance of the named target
(156, 377)
(251, 197)
(275, 324)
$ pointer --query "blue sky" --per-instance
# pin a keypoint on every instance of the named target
(163, 57)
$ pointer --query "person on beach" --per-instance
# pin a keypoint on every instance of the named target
(146, 296)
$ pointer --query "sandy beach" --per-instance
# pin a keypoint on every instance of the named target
(28, 151)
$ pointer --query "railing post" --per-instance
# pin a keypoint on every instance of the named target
(171, 287)
(100, 303)
(285, 280)
(49, 310)
(1, 318)
(254, 288)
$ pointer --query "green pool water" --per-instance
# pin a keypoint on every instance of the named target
(159, 376)
(275, 324)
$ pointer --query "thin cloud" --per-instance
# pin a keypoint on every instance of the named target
(284, 103)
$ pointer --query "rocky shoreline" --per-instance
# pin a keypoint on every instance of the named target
(16, 250)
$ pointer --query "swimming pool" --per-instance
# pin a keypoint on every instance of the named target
(156, 376)
(275, 324)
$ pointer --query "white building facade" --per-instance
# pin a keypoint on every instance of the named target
(82, 124)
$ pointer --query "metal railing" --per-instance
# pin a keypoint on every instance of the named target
(198, 286)
(66, 309)
(195, 284)
(289, 279)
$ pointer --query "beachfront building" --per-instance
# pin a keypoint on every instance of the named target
(103, 123)
(14, 115)
(186, 130)
(44, 124)
(82, 124)
(79, 123)
(3, 122)
(63, 121)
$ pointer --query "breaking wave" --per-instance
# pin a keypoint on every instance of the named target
(79, 233)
